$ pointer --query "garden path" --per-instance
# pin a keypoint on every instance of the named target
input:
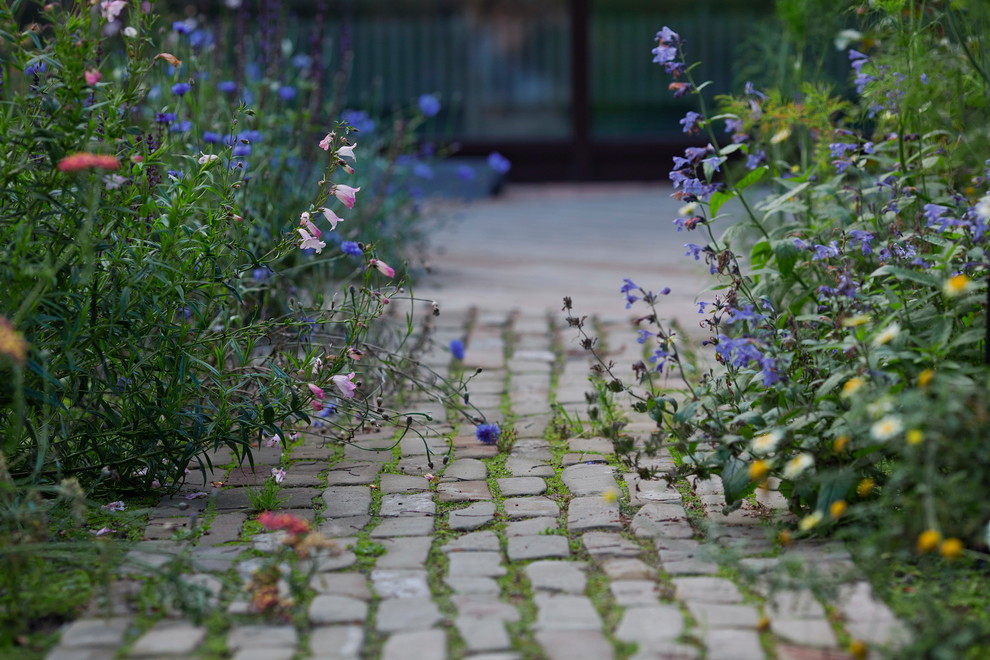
(550, 550)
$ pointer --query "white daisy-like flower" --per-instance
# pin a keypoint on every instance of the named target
(766, 443)
(889, 333)
(982, 208)
(798, 466)
(886, 428)
(810, 521)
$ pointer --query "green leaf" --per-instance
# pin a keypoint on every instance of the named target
(906, 274)
(751, 178)
(717, 200)
(735, 480)
(761, 254)
(787, 255)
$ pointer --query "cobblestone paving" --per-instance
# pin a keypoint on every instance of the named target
(550, 550)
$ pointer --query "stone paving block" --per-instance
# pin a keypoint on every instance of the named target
(650, 625)
(346, 501)
(707, 590)
(403, 483)
(798, 604)
(326, 609)
(474, 542)
(667, 651)
(87, 653)
(428, 645)
(799, 652)
(529, 526)
(403, 526)
(557, 576)
(530, 507)
(400, 583)
(463, 491)
(475, 564)
(417, 504)
(316, 451)
(225, 527)
(352, 585)
(565, 612)
(717, 615)
(867, 619)
(405, 552)
(531, 448)
(260, 636)
(609, 544)
(177, 505)
(470, 447)
(657, 519)
(568, 460)
(484, 607)
(592, 512)
(336, 642)
(810, 632)
(174, 639)
(733, 643)
(482, 634)
(517, 486)
(297, 477)
(528, 467)
(84, 633)
(465, 469)
(574, 645)
(642, 491)
(416, 446)
(471, 517)
(635, 593)
(148, 556)
(353, 473)
(265, 654)
(340, 527)
(473, 586)
(419, 466)
(583, 479)
(627, 568)
(539, 546)
(595, 445)
(406, 614)
(215, 559)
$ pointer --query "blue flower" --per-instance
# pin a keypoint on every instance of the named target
(643, 336)
(498, 162)
(227, 86)
(465, 173)
(701, 306)
(201, 38)
(863, 238)
(488, 433)
(302, 61)
(211, 137)
(429, 105)
(627, 288)
(754, 160)
(180, 27)
(287, 92)
(261, 274)
(668, 36)
(36, 69)
(423, 171)
(359, 120)
(457, 348)
(747, 313)
(180, 88)
(826, 251)
(181, 126)
(694, 250)
(690, 122)
(165, 117)
(241, 150)
(351, 248)
(175, 174)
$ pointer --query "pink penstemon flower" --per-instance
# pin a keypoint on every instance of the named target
(110, 9)
(345, 384)
(278, 474)
(347, 152)
(305, 221)
(310, 242)
(331, 217)
(382, 267)
(92, 77)
(273, 441)
(325, 142)
(316, 390)
(345, 194)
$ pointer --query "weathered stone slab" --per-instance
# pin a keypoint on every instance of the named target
(565, 612)
(810, 632)
(471, 517)
(169, 639)
(642, 491)
(574, 645)
(403, 526)
(428, 645)
(327, 608)
(483, 607)
(716, 615)
(530, 507)
(464, 491)
(557, 576)
(583, 479)
(347, 501)
(406, 614)
(482, 634)
(518, 486)
(403, 483)
(706, 590)
(540, 546)
(474, 542)
(465, 469)
(352, 585)
(336, 642)
(475, 564)
(95, 632)
(628, 568)
(261, 636)
(609, 544)
(341, 527)
(417, 504)
(405, 552)
(477, 586)
(656, 519)
(529, 526)
(651, 625)
(528, 467)
(596, 445)
(733, 643)
(400, 583)
(635, 593)
(592, 512)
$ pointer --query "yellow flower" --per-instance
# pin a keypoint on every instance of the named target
(784, 538)
(764, 624)
(859, 650)
(914, 437)
(852, 386)
(951, 548)
(853, 321)
(758, 470)
(840, 443)
(766, 443)
(865, 487)
(838, 508)
(810, 521)
(781, 135)
(928, 540)
(797, 465)
(925, 377)
(12, 342)
(610, 495)
(956, 285)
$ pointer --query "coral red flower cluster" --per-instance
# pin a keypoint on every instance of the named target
(85, 161)
(286, 521)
